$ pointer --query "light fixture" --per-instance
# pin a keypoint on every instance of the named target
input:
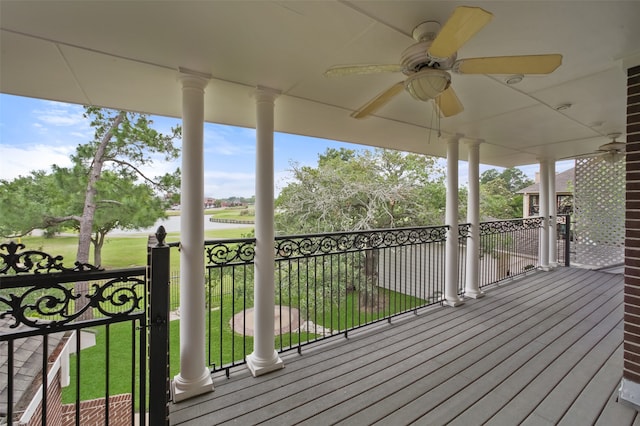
(514, 79)
(427, 84)
(613, 156)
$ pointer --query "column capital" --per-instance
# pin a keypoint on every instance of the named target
(473, 142)
(192, 81)
(453, 138)
(266, 94)
(549, 160)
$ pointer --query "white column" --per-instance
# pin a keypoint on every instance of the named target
(264, 357)
(451, 219)
(194, 377)
(472, 288)
(553, 213)
(544, 213)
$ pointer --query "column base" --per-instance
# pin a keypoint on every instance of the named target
(629, 394)
(546, 268)
(474, 294)
(454, 302)
(258, 367)
(182, 389)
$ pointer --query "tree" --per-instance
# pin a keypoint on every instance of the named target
(514, 179)
(356, 190)
(124, 142)
(498, 193)
(104, 189)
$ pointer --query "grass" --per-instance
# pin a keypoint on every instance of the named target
(222, 346)
(234, 213)
(122, 251)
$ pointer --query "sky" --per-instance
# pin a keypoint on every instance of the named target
(36, 134)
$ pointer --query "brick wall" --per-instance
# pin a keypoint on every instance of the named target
(54, 405)
(632, 233)
(92, 412)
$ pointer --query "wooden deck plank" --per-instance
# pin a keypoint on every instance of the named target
(490, 379)
(615, 413)
(455, 365)
(527, 385)
(595, 395)
(456, 351)
(562, 397)
(432, 332)
(494, 400)
(466, 355)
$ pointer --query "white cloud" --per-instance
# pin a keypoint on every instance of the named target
(60, 114)
(16, 161)
(229, 141)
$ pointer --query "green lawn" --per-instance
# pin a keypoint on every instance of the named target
(93, 373)
(234, 214)
(128, 251)
(121, 251)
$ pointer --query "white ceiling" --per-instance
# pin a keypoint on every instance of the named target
(126, 54)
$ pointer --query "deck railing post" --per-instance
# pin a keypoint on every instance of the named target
(159, 278)
(567, 240)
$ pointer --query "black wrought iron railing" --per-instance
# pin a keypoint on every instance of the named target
(74, 340)
(47, 313)
(325, 285)
(508, 248)
(328, 284)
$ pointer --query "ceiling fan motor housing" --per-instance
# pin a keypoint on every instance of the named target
(415, 58)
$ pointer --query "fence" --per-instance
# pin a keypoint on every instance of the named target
(328, 284)
(75, 340)
(47, 315)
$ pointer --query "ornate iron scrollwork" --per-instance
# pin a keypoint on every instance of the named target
(463, 230)
(231, 252)
(237, 252)
(12, 260)
(502, 226)
(323, 244)
(51, 306)
(40, 292)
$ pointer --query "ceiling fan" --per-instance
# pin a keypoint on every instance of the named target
(611, 152)
(425, 63)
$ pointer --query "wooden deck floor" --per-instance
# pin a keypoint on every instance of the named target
(544, 349)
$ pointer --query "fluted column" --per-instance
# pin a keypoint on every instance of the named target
(451, 219)
(544, 214)
(553, 213)
(264, 357)
(472, 288)
(194, 377)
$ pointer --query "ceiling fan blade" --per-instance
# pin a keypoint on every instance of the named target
(526, 64)
(613, 146)
(341, 70)
(463, 24)
(376, 103)
(448, 103)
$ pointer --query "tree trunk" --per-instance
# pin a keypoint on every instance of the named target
(98, 242)
(368, 296)
(88, 214)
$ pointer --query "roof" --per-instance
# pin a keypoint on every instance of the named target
(564, 183)
(27, 364)
(72, 51)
